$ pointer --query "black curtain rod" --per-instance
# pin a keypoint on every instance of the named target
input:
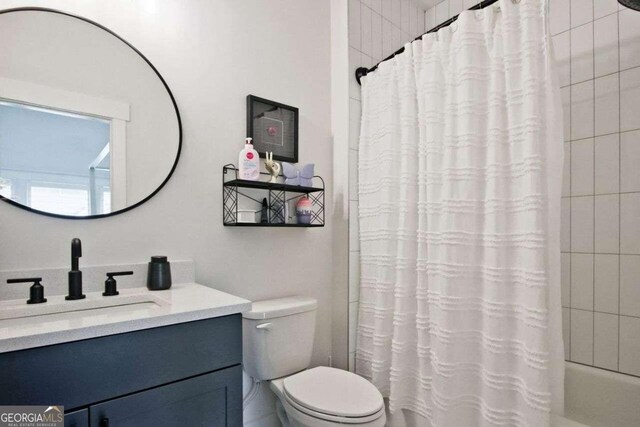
(363, 71)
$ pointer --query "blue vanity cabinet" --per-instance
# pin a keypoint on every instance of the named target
(200, 401)
(185, 374)
(77, 418)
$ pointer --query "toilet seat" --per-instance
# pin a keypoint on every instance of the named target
(333, 395)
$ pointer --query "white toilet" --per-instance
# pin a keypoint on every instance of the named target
(277, 344)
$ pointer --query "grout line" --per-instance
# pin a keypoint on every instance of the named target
(599, 253)
(593, 257)
(619, 187)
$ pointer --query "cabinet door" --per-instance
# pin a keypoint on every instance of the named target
(77, 419)
(213, 399)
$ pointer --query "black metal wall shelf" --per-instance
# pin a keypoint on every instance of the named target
(276, 194)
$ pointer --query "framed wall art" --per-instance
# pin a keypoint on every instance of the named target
(273, 127)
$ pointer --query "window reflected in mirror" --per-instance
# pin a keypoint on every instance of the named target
(55, 161)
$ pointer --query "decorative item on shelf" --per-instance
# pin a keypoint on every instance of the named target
(248, 162)
(247, 216)
(294, 176)
(264, 214)
(159, 273)
(303, 210)
(273, 127)
(272, 167)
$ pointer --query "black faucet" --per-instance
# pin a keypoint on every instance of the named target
(75, 275)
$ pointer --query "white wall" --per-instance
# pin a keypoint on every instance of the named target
(212, 54)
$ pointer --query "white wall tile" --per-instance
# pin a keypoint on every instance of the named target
(607, 105)
(630, 161)
(582, 224)
(430, 19)
(582, 336)
(559, 16)
(565, 279)
(607, 160)
(607, 224)
(566, 170)
(354, 238)
(581, 12)
(354, 276)
(455, 7)
(630, 345)
(606, 283)
(405, 16)
(630, 285)
(582, 53)
(565, 94)
(353, 321)
(605, 45)
(376, 6)
(387, 38)
(421, 28)
(376, 37)
(630, 99)
(387, 10)
(396, 12)
(467, 4)
(354, 123)
(630, 223)
(355, 61)
(397, 38)
(354, 24)
(353, 175)
(629, 39)
(605, 341)
(565, 226)
(604, 7)
(365, 33)
(582, 110)
(562, 51)
(442, 12)
(566, 332)
(582, 168)
(413, 20)
(582, 281)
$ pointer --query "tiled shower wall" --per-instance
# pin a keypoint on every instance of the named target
(377, 28)
(597, 48)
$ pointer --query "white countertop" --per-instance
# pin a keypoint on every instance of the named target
(96, 316)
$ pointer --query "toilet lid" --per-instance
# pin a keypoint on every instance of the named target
(334, 392)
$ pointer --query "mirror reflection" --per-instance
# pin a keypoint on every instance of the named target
(87, 127)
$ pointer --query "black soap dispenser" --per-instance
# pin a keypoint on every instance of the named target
(159, 274)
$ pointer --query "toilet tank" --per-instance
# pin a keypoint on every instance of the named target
(277, 336)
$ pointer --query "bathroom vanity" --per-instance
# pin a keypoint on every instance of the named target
(142, 358)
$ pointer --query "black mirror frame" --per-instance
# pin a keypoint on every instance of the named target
(164, 83)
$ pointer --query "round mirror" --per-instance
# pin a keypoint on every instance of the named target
(88, 127)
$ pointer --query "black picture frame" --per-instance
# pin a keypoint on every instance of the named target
(286, 129)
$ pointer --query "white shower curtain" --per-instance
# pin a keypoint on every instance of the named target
(461, 152)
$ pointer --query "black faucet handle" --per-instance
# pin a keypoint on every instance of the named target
(36, 291)
(33, 280)
(110, 285)
(120, 273)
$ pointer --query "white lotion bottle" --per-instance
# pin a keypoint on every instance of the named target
(248, 162)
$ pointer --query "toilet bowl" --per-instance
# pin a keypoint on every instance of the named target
(328, 397)
(277, 344)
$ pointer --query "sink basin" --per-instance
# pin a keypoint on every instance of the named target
(18, 309)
